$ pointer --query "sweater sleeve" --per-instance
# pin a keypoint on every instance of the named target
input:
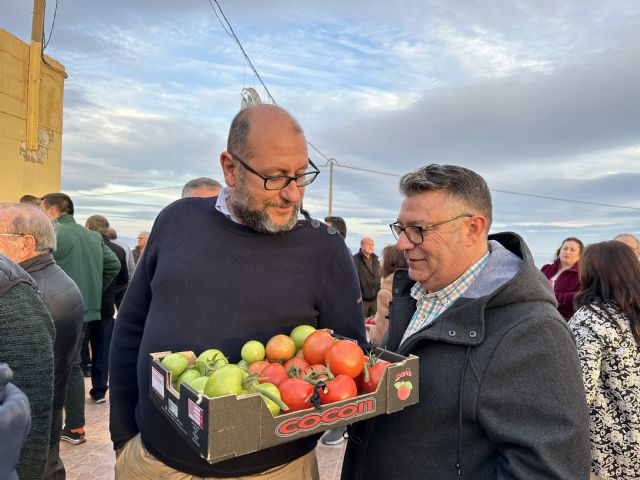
(123, 356)
(532, 406)
(340, 299)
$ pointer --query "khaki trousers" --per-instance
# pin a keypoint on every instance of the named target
(134, 461)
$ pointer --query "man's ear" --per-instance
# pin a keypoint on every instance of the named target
(476, 227)
(229, 167)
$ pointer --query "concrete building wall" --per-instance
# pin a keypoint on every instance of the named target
(24, 171)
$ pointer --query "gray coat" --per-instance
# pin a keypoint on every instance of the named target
(501, 393)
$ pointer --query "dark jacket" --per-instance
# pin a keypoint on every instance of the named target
(15, 422)
(501, 393)
(119, 284)
(369, 277)
(565, 287)
(83, 256)
(64, 302)
(26, 344)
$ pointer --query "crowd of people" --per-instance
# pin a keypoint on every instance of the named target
(524, 373)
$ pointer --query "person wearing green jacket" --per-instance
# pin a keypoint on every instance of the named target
(83, 256)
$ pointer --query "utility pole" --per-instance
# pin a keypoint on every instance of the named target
(33, 88)
(331, 162)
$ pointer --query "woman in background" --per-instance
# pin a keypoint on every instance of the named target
(607, 331)
(564, 276)
(392, 259)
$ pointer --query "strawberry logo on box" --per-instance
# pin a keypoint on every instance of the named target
(403, 389)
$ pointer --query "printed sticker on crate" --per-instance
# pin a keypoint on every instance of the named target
(157, 382)
(195, 413)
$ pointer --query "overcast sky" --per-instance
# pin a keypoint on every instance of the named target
(540, 97)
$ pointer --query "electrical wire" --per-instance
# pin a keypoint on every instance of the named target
(55, 12)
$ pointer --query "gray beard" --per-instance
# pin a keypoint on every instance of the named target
(259, 219)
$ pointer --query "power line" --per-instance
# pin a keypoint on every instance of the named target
(55, 12)
(124, 192)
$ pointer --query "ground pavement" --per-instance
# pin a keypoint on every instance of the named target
(94, 459)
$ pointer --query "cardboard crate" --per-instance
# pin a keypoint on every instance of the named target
(222, 428)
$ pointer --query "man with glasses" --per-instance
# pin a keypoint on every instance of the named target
(217, 272)
(501, 392)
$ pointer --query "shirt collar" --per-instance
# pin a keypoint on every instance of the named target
(223, 207)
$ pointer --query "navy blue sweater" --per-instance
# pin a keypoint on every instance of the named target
(207, 282)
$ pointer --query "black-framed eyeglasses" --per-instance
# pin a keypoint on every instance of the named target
(278, 182)
(415, 233)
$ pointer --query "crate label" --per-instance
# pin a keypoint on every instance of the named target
(173, 408)
(328, 417)
(157, 382)
(195, 414)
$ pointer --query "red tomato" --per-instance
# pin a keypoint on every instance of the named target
(376, 373)
(295, 393)
(345, 358)
(316, 345)
(274, 373)
(319, 369)
(280, 348)
(340, 388)
(296, 363)
(257, 367)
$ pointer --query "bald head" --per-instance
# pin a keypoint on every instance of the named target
(629, 240)
(253, 124)
(31, 232)
(367, 246)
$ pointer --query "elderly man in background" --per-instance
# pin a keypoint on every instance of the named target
(83, 256)
(33, 249)
(201, 187)
(368, 267)
(631, 241)
(142, 244)
(500, 387)
(26, 344)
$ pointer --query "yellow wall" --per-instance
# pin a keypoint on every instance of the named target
(23, 171)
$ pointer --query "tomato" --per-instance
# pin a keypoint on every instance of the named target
(345, 358)
(199, 384)
(295, 393)
(187, 376)
(280, 348)
(376, 373)
(257, 367)
(340, 388)
(316, 345)
(271, 405)
(300, 334)
(321, 372)
(273, 373)
(213, 355)
(252, 351)
(226, 380)
(296, 366)
(176, 363)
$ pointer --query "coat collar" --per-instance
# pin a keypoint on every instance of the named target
(37, 263)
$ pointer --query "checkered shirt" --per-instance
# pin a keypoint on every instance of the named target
(430, 305)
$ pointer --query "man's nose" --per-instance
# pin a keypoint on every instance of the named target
(291, 192)
(403, 242)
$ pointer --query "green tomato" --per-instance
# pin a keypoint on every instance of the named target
(226, 380)
(271, 405)
(187, 376)
(176, 363)
(199, 384)
(300, 334)
(213, 356)
(253, 351)
(243, 364)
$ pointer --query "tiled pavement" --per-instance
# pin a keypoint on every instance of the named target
(94, 459)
